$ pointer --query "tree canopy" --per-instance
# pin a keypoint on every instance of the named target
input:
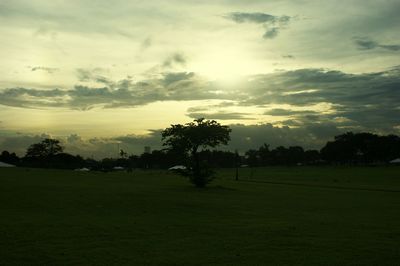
(188, 138)
(45, 148)
(199, 133)
(361, 148)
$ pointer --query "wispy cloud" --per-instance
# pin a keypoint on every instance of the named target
(288, 56)
(146, 43)
(95, 75)
(222, 115)
(176, 59)
(257, 17)
(287, 112)
(272, 24)
(49, 70)
(368, 44)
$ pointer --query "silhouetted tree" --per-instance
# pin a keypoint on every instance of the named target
(92, 164)
(65, 161)
(123, 154)
(45, 148)
(191, 137)
(295, 155)
(364, 148)
(8, 157)
(389, 147)
(216, 158)
(252, 157)
(40, 154)
(264, 154)
(312, 157)
(280, 156)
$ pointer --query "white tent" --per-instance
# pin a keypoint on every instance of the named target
(6, 165)
(177, 167)
(395, 161)
(84, 169)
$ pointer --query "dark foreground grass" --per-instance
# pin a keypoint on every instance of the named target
(51, 217)
(361, 178)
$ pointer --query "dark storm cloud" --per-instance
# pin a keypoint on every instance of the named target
(248, 137)
(108, 147)
(31, 98)
(179, 86)
(272, 24)
(75, 144)
(137, 142)
(243, 138)
(256, 17)
(369, 100)
(19, 142)
(312, 86)
(368, 44)
(286, 112)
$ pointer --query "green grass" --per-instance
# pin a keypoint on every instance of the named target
(273, 216)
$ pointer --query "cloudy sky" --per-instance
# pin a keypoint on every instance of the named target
(98, 73)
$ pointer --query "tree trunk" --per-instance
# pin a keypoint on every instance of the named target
(197, 179)
(196, 165)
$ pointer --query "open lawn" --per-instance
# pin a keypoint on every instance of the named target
(271, 216)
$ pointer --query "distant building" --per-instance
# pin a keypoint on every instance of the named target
(147, 149)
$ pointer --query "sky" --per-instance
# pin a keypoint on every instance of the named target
(105, 74)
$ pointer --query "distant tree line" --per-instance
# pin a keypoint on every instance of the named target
(349, 148)
(361, 148)
(294, 155)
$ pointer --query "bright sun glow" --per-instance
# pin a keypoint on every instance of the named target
(226, 67)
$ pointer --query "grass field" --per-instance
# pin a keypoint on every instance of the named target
(271, 216)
